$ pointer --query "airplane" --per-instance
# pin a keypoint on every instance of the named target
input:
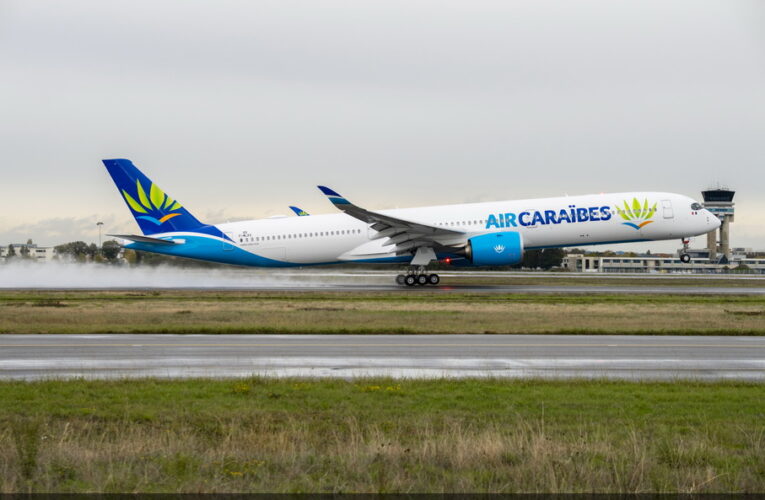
(299, 211)
(468, 234)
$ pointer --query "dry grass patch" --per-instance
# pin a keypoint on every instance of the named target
(175, 312)
(260, 435)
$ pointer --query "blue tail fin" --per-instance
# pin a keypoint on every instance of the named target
(154, 211)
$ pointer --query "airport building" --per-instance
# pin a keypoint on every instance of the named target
(660, 264)
(716, 258)
(32, 251)
(719, 201)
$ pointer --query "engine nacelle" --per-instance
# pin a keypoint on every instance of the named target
(495, 249)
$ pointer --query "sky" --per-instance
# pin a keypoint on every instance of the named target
(240, 108)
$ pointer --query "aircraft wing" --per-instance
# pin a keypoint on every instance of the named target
(406, 235)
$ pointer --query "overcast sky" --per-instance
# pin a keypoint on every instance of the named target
(239, 108)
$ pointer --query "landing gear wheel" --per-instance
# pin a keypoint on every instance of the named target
(400, 279)
(684, 257)
(410, 280)
(422, 279)
(433, 279)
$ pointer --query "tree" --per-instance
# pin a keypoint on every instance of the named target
(24, 251)
(110, 250)
(544, 259)
(531, 259)
(77, 249)
(130, 256)
(552, 257)
(11, 252)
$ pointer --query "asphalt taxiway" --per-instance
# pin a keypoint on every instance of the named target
(182, 356)
(458, 288)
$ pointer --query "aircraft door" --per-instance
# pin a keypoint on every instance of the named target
(667, 208)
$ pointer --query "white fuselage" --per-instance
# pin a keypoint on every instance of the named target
(543, 223)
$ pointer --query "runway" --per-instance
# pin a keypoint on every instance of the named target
(29, 357)
(519, 289)
(71, 276)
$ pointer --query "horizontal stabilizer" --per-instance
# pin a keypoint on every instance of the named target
(144, 239)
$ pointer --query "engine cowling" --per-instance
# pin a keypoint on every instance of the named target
(495, 249)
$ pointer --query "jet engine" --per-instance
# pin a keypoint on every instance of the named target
(495, 249)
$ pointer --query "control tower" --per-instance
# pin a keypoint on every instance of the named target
(719, 201)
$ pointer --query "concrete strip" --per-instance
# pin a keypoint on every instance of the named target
(628, 357)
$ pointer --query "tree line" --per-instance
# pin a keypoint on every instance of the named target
(83, 252)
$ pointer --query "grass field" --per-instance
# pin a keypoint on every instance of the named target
(369, 312)
(266, 435)
(594, 280)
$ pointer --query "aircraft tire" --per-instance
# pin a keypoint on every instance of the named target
(400, 279)
(422, 279)
(685, 258)
(410, 280)
(434, 279)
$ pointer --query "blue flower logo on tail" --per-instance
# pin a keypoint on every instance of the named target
(155, 205)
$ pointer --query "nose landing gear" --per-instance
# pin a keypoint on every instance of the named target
(685, 258)
(418, 276)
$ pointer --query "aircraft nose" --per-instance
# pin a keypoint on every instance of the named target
(713, 221)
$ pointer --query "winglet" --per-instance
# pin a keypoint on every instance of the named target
(299, 211)
(334, 196)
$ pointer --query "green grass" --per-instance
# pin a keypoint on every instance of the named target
(381, 435)
(422, 312)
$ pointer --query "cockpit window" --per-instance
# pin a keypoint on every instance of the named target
(696, 206)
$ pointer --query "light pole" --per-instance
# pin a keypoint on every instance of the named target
(99, 224)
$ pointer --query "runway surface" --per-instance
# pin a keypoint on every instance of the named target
(627, 357)
(542, 289)
(72, 276)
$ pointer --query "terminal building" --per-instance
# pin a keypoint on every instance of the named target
(28, 251)
(716, 258)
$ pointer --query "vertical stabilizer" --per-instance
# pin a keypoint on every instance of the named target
(153, 209)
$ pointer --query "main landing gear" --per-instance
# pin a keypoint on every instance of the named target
(418, 276)
(684, 256)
